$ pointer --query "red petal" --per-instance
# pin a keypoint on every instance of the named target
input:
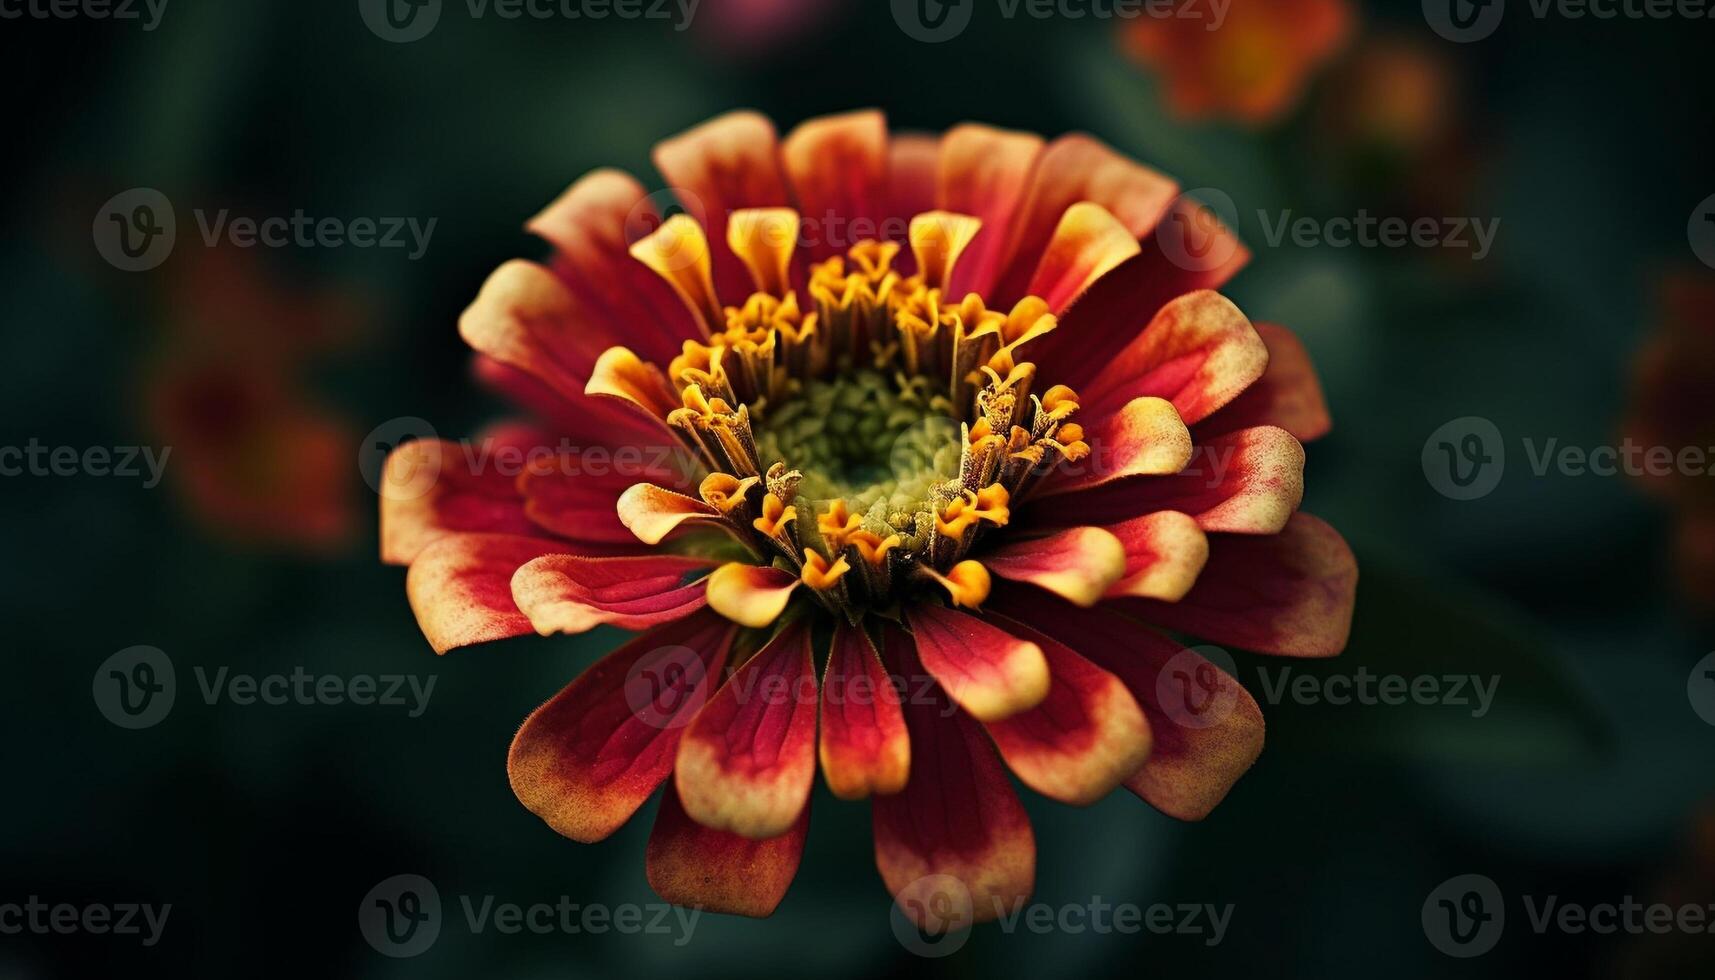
(988, 672)
(985, 172)
(1077, 564)
(913, 160)
(1073, 169)
(430, 488)
(585, 761)
(1199, 352)
(460, 587)
(1290, 593)
(688, 864)
(592, 225)
(1196, 758)
(957, 817)
(1088, 244)
(573, 594)
(1086, 738)
(728, 163)
(747, 761)
(837, 166)
(577, 494)
(864, 745)
(1144, 438)
(1288, 394)
(1164, 554)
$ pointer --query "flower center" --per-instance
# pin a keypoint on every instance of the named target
(868, 438)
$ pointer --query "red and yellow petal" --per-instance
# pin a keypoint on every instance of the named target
(984, 172)
(1199, 352)
(694, 866)
(751, 595)
(431, 488)
(1164, 554)
(957, 817)
(652, 513)
(747, 761)
(460, 587)
(837, 167)
(1086, 738)
(574, 594)
(1290, 593)
(1077, 564)
(727, 164)
(1190, 768)
(864, 747)
(986, 671)
(1088, 244)
(1287, 395)
(586, 760)
(575, 495)
(1146, 437)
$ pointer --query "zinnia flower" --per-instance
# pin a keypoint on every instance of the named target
(1252, 68)
(938, 482)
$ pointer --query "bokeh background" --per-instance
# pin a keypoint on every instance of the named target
(264, 827)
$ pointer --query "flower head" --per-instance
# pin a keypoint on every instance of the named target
(927, 434)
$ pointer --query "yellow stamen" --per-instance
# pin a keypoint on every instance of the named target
(764, 239)
(679, 253)
(968, 583)
(872, 547)
(819, 574)
(725, 491)
(836, 525)
(937, 239)
(991, 504)
(775, 516)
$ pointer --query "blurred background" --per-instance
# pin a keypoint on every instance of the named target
(1586, 320)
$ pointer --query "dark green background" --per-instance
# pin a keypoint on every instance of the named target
(265, 826)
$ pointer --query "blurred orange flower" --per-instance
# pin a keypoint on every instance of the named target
(1251, 67)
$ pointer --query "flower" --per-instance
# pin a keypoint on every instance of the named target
(925, 445)
(1252, 67)
(1670, 417)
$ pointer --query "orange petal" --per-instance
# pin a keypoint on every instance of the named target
(989, 673)
(460, 587)
(1199, 352)
(653, 513)
(592, 225)
(912, 162)
(1086, 738)
(985, 172)
(746, 763)
(1145, 438)
(937, 240)
(837, 166)
(1195, 758)
(957, 826)
(750, 595)
(1072, 169)
(864, 746)
(693, 866)
(585, 761)
(1077, 564)
(1287, 395)
(764, 239)
(573, 594)
(1290, 593)
(623, 375)
(1088, 244)
(678, 252)
(726, 164)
